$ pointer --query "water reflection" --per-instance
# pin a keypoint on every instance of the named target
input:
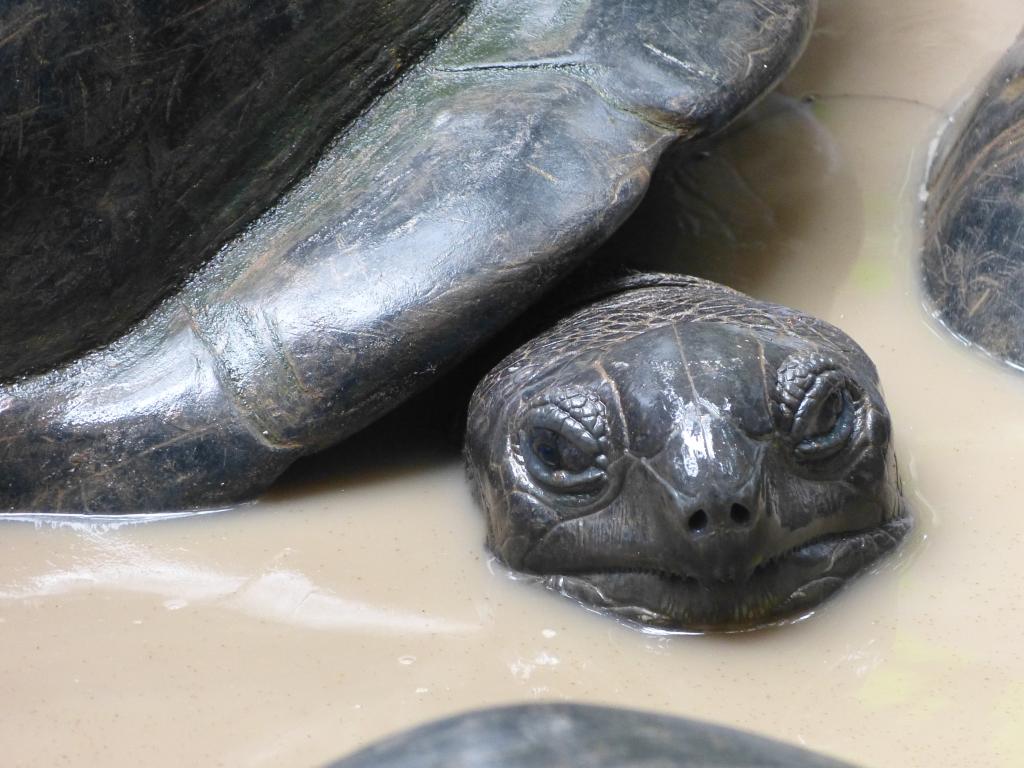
(107, 561)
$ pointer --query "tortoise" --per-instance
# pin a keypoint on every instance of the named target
(453, 201)
(973, 255)
(578, 736)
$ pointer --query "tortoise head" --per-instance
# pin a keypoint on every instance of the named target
(687, 457)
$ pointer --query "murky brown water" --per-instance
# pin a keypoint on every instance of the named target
(358, 600)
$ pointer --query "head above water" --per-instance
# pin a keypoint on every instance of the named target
(687, 457)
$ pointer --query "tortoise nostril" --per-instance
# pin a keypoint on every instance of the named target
(698, 520)
(739, 514)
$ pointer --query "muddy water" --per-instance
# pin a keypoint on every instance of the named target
(357, 600)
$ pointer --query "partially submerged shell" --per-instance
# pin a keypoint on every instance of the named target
(579, 736)
(137, 137)
(452, 203)
(973, 260)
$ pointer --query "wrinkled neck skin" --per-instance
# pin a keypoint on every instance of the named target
(688, 458)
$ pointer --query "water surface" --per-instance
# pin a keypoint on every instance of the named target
(358, 598)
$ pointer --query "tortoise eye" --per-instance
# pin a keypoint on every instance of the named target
(815, 406)
(824, 420)
(544, 445)
(559, 452)
(563, 445)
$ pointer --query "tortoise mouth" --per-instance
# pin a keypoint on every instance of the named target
(786, 587)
